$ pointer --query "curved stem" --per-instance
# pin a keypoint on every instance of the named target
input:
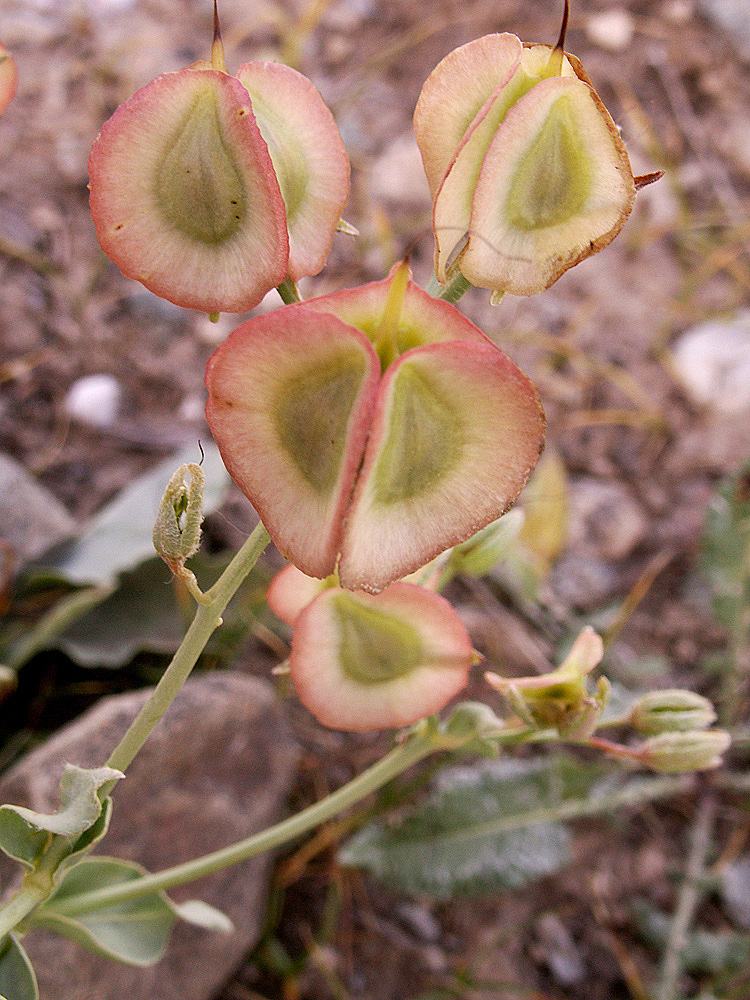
(207, 618)
(38, 885)
(399, 759)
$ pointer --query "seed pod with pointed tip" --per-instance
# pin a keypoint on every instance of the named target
(372, 429)
(527, 170)
(211, 190)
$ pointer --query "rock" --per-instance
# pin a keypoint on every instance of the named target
(216, 769)
(713, 362)
(605, 515)
(735, 891)
(611, 29)
(94, 400)
(32, 520)
(558, 950)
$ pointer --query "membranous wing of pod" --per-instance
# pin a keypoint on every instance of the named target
(311, 165)
(555, 186)
(457, 430)
(452, 207)
(456, 91)
(184, 196)
(290, 400)
(362, 662)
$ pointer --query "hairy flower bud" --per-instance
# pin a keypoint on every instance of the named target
(677, 752)
(177, 531)
(672, 711)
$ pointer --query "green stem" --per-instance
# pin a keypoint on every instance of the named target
(21, 905)
(207, 619)
(451, 292)
(419, 745)
(289, 292)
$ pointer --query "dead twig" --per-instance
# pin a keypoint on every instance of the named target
(690, 893)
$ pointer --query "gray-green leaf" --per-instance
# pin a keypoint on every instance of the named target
(135, 932)
(486, 827)
(24, 832)
(17, 979)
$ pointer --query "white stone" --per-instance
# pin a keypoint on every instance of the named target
(713, 362)
(94, 400)
(612, 29)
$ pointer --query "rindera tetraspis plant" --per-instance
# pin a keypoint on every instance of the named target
(378, 432)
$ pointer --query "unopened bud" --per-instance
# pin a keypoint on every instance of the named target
(473, 726)
(676, 752)
(177, 531)
(672, 711)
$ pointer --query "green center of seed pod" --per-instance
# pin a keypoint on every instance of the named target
(425, 439)
(311, 412)
(199, 189)
(553, 178)
(375, 647)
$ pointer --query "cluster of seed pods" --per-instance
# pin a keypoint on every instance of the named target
(372, 428)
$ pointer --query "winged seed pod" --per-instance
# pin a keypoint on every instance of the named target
(527, 170)
(210, 189)
(372, 429)
(8, 78)
(364, 662)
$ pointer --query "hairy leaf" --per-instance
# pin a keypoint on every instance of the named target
(486, 827)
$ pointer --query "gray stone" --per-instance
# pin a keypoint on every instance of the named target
(216, 769)
(32, 520)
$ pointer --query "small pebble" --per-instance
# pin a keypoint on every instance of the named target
(420, 922)
(94, 400)
(713, 362)
(612, 29)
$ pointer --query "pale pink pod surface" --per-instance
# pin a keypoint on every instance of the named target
(372, 429)
(456, 432)
(455, 92)
(309, 158)
(555, 187)
(184, 196)
(527, 170)
(423, 319)
(290, 399)
(8, 78)
(452, 206)
(291, 591)
(364, 662)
